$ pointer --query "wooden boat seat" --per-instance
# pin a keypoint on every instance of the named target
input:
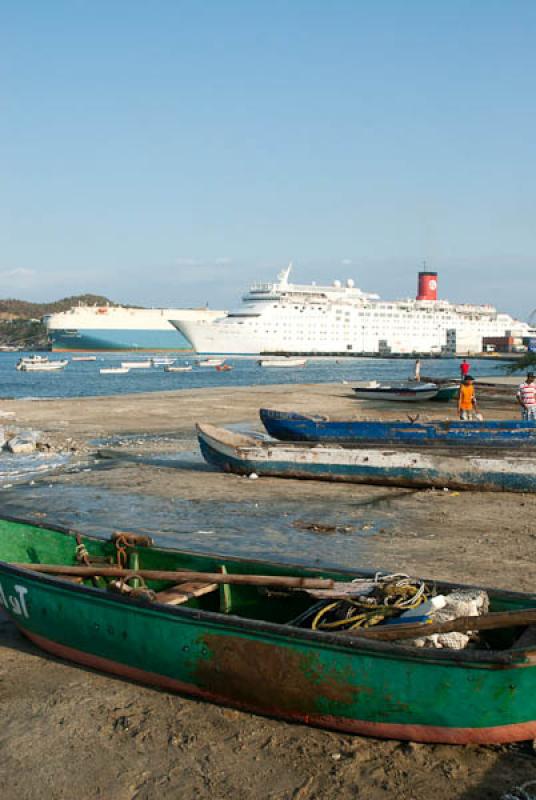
(183, 592)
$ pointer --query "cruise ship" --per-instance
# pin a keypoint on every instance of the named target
(121, 328)
(287, 318)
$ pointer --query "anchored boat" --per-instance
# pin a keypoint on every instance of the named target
(204, 625)
(40, 364)
(385, 465)
(289, 426)
(282, 362)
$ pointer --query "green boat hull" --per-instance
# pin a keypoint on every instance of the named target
(248, 658)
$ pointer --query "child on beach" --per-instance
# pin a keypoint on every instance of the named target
(467, 407)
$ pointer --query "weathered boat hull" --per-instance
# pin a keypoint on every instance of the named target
(373, 465)
(446, 393)
(292, 427)
(330, 680)
(409, 393)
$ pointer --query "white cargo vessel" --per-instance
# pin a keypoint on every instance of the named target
(121, 328)
(295, 319)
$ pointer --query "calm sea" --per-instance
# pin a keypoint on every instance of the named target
(82, 379)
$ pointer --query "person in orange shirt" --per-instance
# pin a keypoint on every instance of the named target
(467, 406)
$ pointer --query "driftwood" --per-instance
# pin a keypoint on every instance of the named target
(492, 621)
(286, 581)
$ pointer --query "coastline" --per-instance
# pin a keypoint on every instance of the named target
(130, 741)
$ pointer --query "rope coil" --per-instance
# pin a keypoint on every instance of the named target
(391, 595)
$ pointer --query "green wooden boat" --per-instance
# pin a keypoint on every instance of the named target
(242, 645)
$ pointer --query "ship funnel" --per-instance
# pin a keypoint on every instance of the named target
(427, 286)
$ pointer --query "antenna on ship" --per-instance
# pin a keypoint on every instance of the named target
(283, 275)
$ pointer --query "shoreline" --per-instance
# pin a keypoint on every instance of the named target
(130, 741)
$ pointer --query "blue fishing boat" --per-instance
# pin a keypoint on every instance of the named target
(495, 470)
(289, 426)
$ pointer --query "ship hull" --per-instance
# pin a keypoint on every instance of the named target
(64, 341)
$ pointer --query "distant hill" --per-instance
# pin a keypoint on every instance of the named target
(21, 309)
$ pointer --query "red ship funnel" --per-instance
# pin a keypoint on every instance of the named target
(427, 286)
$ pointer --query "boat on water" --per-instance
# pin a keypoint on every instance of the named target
(290, 426)
(162, 362)
(114, 370)
(205, 625)
(282, 362)
(40, 364)
(186, 368)
(83, 358)
(283, 318)
(107, 327)
(211, 362)
(409, 466)
(137, 364)
(406, 392)
(223, 367)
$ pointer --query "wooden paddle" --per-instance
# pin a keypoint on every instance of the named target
(492, 621)
(285, 581)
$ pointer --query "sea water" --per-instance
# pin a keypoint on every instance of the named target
(83, 379)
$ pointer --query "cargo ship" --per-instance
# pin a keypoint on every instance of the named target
(88, 328)
(297, 319)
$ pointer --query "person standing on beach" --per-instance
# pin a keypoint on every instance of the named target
(467, 407)
(418, 369)
(526, 397)
(464, 369)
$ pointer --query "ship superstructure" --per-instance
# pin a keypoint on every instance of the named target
(283, 317)
(121, 328)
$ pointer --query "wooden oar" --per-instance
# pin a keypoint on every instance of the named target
(492, 621)
(289, 582)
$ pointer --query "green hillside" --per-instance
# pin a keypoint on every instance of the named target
(24, 310)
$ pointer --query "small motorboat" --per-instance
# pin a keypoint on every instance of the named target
(114, 370)
(282, 362)
(407, 392)
(211, 362)
(136, 364)
(162, 362)
(84, 358)
(185, 368)
(223, 367)
(40, 364)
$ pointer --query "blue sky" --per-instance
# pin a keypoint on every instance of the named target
(170, 152)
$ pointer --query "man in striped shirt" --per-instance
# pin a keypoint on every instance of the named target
(526, 397)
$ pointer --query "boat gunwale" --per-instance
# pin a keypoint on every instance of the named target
(512, 658)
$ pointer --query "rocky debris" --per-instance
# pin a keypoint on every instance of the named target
(19, 441)
(22, 443)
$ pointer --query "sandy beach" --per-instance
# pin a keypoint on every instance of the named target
(70, 732)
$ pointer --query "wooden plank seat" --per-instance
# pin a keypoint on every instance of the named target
(183, 592)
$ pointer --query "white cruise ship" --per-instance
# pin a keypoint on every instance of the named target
(287, 318)
(121, 328)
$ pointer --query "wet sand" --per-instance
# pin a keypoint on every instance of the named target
(69, 732)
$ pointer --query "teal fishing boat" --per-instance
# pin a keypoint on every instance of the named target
(238, 632)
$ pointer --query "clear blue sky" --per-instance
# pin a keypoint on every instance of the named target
(171, 151)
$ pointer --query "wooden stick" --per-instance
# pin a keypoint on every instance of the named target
(492, 621)
(181, 575)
